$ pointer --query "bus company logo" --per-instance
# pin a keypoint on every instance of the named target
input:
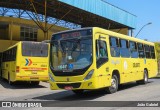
(6, 104)
(28, 62)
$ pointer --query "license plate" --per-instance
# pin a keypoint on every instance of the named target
(34, 77)
(34, 72)
(68, 87)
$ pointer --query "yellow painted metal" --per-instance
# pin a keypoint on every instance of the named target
(102, 78)
(37, 70)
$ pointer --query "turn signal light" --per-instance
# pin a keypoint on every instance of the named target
(17, 69)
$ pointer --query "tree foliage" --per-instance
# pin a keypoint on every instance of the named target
(157, 47)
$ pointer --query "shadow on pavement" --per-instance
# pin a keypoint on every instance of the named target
(70, 96)
(19, 85)
(87, 95)
(130, 85)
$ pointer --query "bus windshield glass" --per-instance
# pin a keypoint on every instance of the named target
(71, 53)
(34, 49)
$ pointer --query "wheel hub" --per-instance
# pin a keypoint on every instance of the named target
(113, 83)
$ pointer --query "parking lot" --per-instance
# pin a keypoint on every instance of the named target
(127, 92)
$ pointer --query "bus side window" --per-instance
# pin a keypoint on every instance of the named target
(0, 59)
(114, 47)
(4, 56)
(141, 50)
(15, 53)
(147, 51)
(152, 52)
(10, 57)
(133, 49)
(7, 55)
(124, 50)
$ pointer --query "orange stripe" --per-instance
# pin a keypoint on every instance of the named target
(30, 62)
(35, 69)
(34, 76)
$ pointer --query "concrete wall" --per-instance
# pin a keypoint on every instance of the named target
(11, 34)
(4, 44)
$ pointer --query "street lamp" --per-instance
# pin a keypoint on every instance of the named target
(142, 28)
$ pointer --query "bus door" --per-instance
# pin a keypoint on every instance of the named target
(102, 66)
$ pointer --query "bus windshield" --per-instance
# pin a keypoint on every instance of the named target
(34, 49)
(71, 54)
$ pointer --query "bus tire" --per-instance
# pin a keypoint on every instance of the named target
(114, 85)
(9, 80)
(78, 92)
(35, 83)
(145, 78)
(1, 75)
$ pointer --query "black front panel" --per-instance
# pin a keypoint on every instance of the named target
(74, 85)
(72, 73)
(72, 34)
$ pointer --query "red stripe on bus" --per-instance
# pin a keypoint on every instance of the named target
(34, 68)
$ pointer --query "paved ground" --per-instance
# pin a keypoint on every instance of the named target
(127, 92)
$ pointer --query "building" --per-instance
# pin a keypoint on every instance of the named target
(13, 30)
(28, 20)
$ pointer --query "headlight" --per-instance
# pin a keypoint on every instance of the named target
(50, 77)
(89, 75)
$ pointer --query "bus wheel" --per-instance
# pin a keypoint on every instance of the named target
(78, 92)
(114, 85)
(34, 83)
(145, 78)
(1, 75)
(9, 80)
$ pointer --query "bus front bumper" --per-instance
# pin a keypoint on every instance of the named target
(91, 84)
(32, 78)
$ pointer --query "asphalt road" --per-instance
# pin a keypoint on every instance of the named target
(127, 92)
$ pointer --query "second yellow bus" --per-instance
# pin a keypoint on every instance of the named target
(25, 61)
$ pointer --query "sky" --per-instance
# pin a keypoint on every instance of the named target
(146, 11)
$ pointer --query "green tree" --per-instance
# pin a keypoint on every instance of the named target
(157, 47)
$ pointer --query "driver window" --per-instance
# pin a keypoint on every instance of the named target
(101, 49)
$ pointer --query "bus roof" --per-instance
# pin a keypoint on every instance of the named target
(108, 32)
(20, 43)
(114, 34)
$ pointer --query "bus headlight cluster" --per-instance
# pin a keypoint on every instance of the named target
(89, 75)
(50, 77)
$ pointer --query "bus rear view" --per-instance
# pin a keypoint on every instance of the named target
(26, 61)
(34, 63)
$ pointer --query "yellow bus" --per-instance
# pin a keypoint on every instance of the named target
(95, 58)
(26, 61)
(0, 63)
